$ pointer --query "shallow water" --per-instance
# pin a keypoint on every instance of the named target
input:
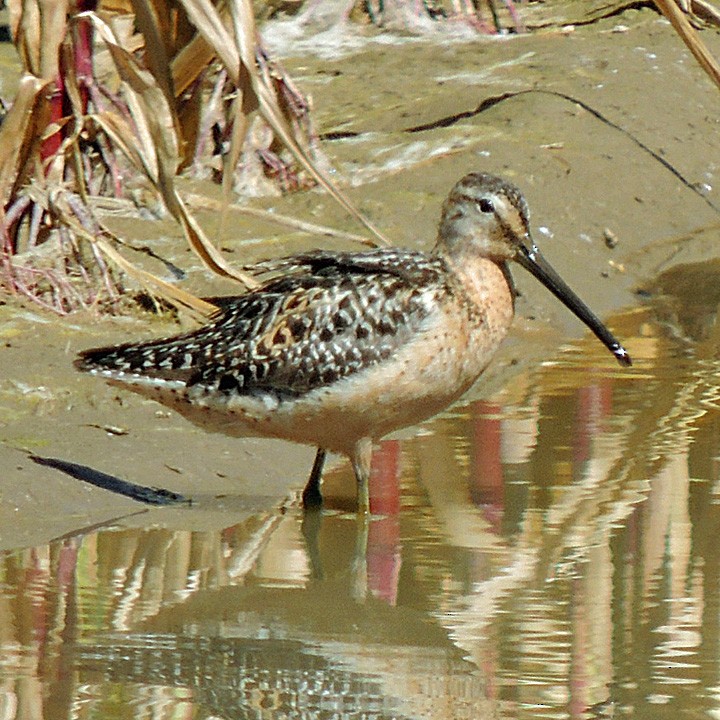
(546, 552)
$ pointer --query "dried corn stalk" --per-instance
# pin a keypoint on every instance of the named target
(105, 111)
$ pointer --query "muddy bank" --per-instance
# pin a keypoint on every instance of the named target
(402, 123)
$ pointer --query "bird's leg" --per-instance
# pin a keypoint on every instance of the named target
(359, 567)
(310, 529)
(312, 497)
(361, 460)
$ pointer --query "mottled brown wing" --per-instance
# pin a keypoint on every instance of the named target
(329, 316)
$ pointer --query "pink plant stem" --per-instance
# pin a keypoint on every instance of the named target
(58, 102)
(519, 25)
(36, 215)
(12, 217)
(22, 288)
(112, 293)
(51, 145)
(83, 48)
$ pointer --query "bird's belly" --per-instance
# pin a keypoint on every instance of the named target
(432, 370)
(422, 379)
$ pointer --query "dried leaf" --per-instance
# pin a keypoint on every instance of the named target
(209, 23)
(160, 288)
(189, 62)
(690, 37)
(238, 56)
(149, 23)
(124, 138)
(158, 154)
(171, 293)
(17, 134)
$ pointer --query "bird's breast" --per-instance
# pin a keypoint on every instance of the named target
(485, 302)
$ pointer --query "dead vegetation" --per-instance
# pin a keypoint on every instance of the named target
(118, 102)
(119, 99)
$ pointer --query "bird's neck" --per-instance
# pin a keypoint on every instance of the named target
(486, 282)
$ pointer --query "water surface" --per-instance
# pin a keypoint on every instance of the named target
(547, 551)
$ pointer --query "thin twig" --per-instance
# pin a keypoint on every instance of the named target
(200, 202)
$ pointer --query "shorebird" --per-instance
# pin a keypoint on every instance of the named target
(338, 349)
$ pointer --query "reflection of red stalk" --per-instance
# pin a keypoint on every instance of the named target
(385, 479)
(383, 546)
(384, 558)
(487, 487)
(594, 404)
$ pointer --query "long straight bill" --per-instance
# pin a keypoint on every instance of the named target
(532, 260)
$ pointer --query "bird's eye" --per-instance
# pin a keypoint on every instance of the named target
(486, 205)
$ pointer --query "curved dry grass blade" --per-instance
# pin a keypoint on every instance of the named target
(155, 125)
(180, 298)
(16, 134)
(202, 202)
(190, 62)
(156, 55)
(153, 19)
(202, 246)
(158, 287)
(158, 155)
(123, 137)
(691, 38)
(245, 36)
(208, 21)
